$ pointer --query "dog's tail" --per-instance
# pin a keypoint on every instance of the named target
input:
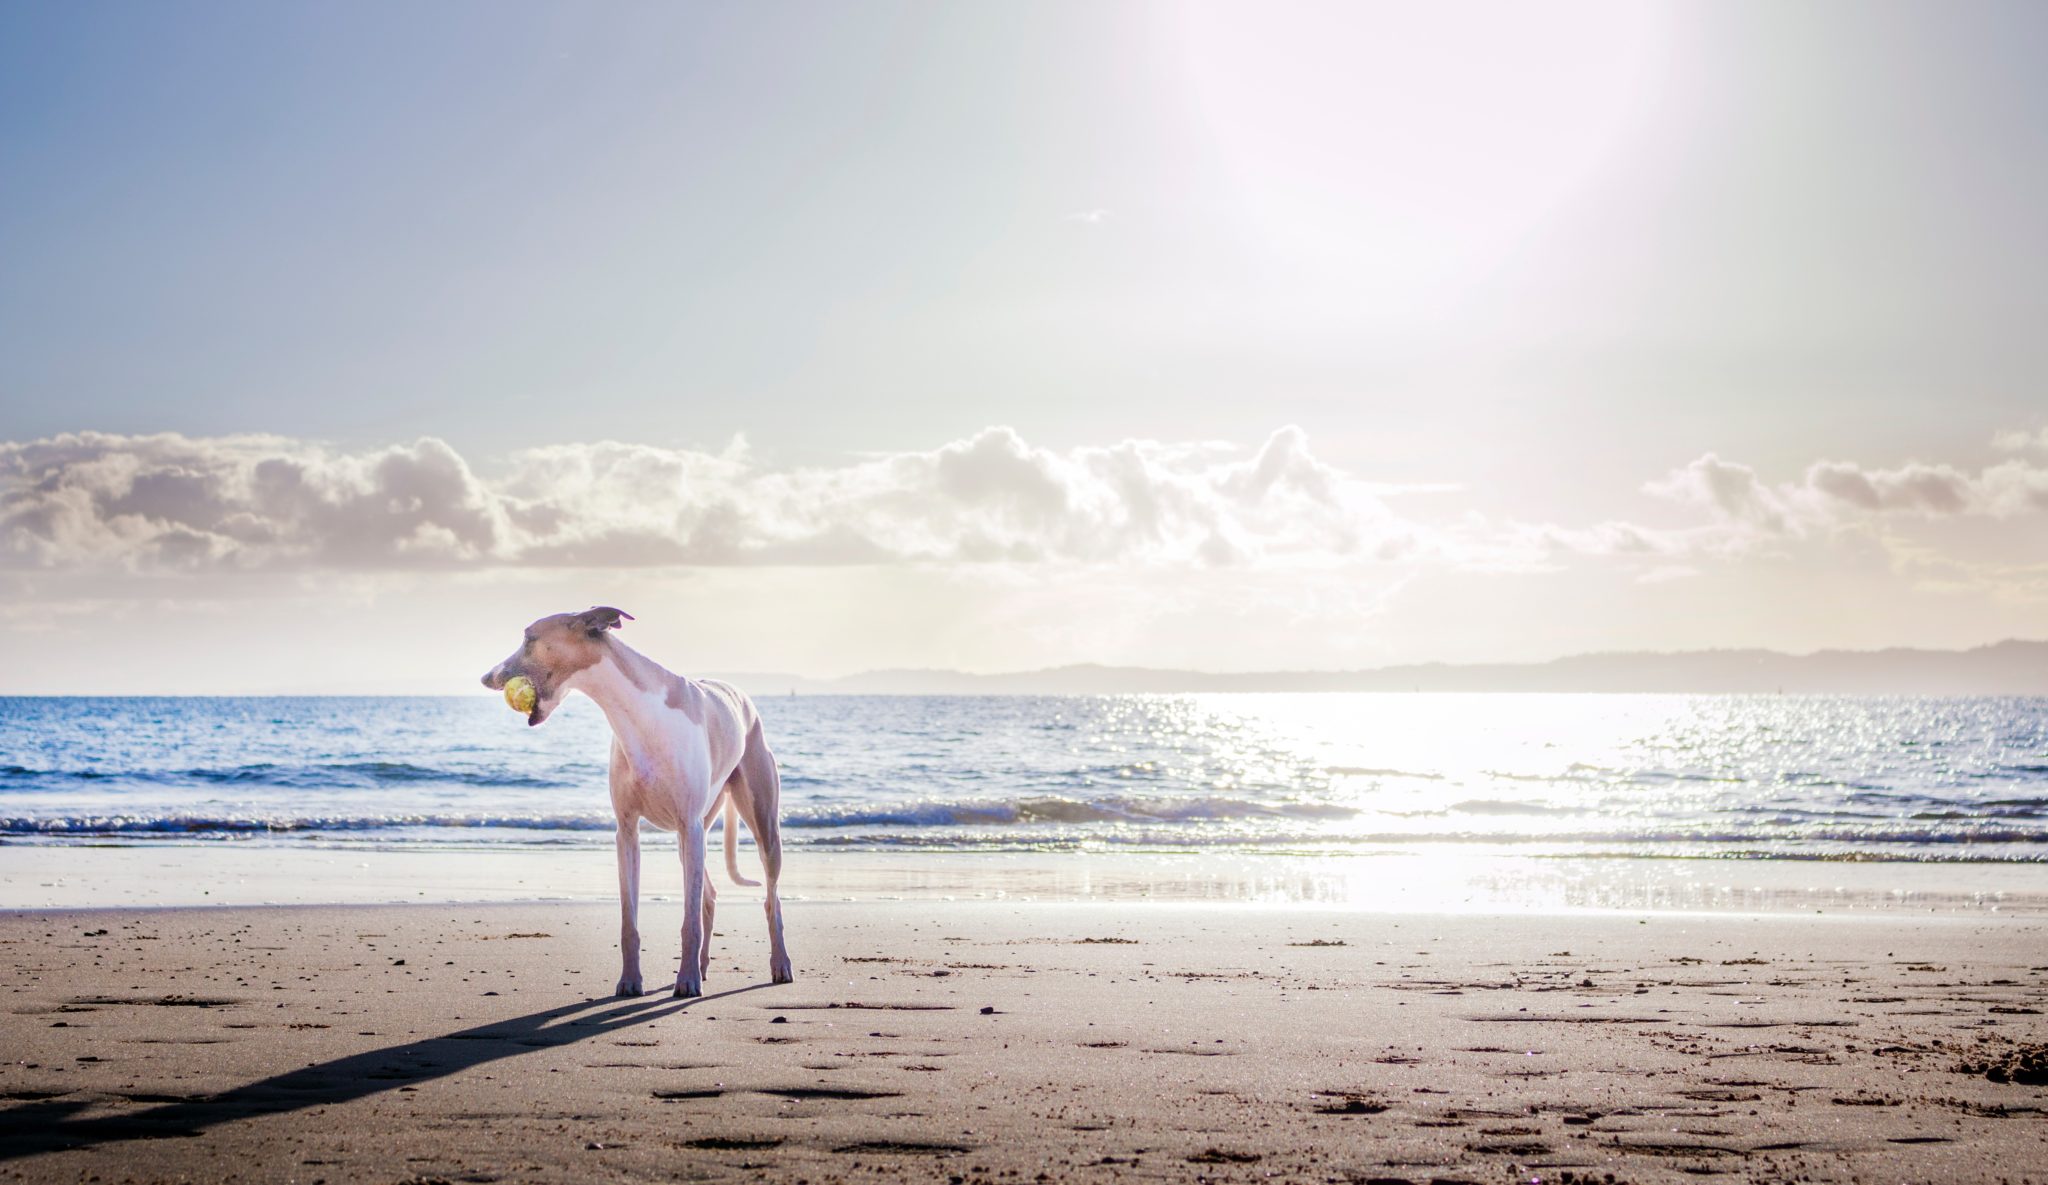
(732, 845)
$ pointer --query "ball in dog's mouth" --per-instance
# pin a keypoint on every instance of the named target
(520, 694)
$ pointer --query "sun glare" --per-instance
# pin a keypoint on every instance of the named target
(1417, 141)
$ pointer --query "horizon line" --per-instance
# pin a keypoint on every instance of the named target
(823, 685)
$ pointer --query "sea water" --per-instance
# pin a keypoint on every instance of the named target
(1772, 777)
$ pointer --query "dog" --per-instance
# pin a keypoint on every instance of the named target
(681, 748)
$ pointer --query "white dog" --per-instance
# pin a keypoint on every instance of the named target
(680, 747)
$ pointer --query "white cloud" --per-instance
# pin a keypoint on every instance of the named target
(1733, 493)
(166, 505)
(2020, 440)
(987, 552)
(1941, 528)
(1840, 493)
(170, 501)
(259, 502)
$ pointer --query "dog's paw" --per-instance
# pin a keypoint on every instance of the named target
(779, 971)
(688, 989)
(627, 988)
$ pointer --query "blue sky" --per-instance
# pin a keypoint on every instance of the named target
(1499, 277)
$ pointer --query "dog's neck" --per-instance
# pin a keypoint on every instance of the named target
(637, 696)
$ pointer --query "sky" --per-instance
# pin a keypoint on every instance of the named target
(338, 342)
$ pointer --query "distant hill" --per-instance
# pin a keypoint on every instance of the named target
(2005, 668)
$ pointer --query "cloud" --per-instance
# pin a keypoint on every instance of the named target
(170, 502)
(1602, 539)
(2020, 440)
(1927, 489)
(1731, 492)
(1943, 529)
(1840, 493)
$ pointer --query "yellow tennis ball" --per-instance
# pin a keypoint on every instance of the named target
(520, 694)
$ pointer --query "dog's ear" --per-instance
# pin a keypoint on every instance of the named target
(599, 618)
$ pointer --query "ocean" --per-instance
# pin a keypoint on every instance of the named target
(1760, 777)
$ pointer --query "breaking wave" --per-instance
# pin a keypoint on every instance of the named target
(343, 774)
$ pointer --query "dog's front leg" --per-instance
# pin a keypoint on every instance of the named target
(628, 842)
(690, 846)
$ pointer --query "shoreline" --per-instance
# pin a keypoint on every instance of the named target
(1437, 881)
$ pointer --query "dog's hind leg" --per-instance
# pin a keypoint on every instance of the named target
(770, 842)
(758, 797)
(710, 907)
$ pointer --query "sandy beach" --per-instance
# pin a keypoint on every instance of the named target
(1331, 593)
(999, 1041)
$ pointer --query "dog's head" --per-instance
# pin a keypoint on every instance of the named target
(554, 652)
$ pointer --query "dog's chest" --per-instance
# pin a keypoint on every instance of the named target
(666, 765)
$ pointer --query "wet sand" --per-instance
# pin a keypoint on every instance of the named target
(1424, 878)
(997, 1041)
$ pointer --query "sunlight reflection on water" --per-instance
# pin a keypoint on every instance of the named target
(1565, 775)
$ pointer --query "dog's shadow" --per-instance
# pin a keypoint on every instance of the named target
(51, 1124)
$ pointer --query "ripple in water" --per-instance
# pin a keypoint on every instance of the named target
(1749, 776)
